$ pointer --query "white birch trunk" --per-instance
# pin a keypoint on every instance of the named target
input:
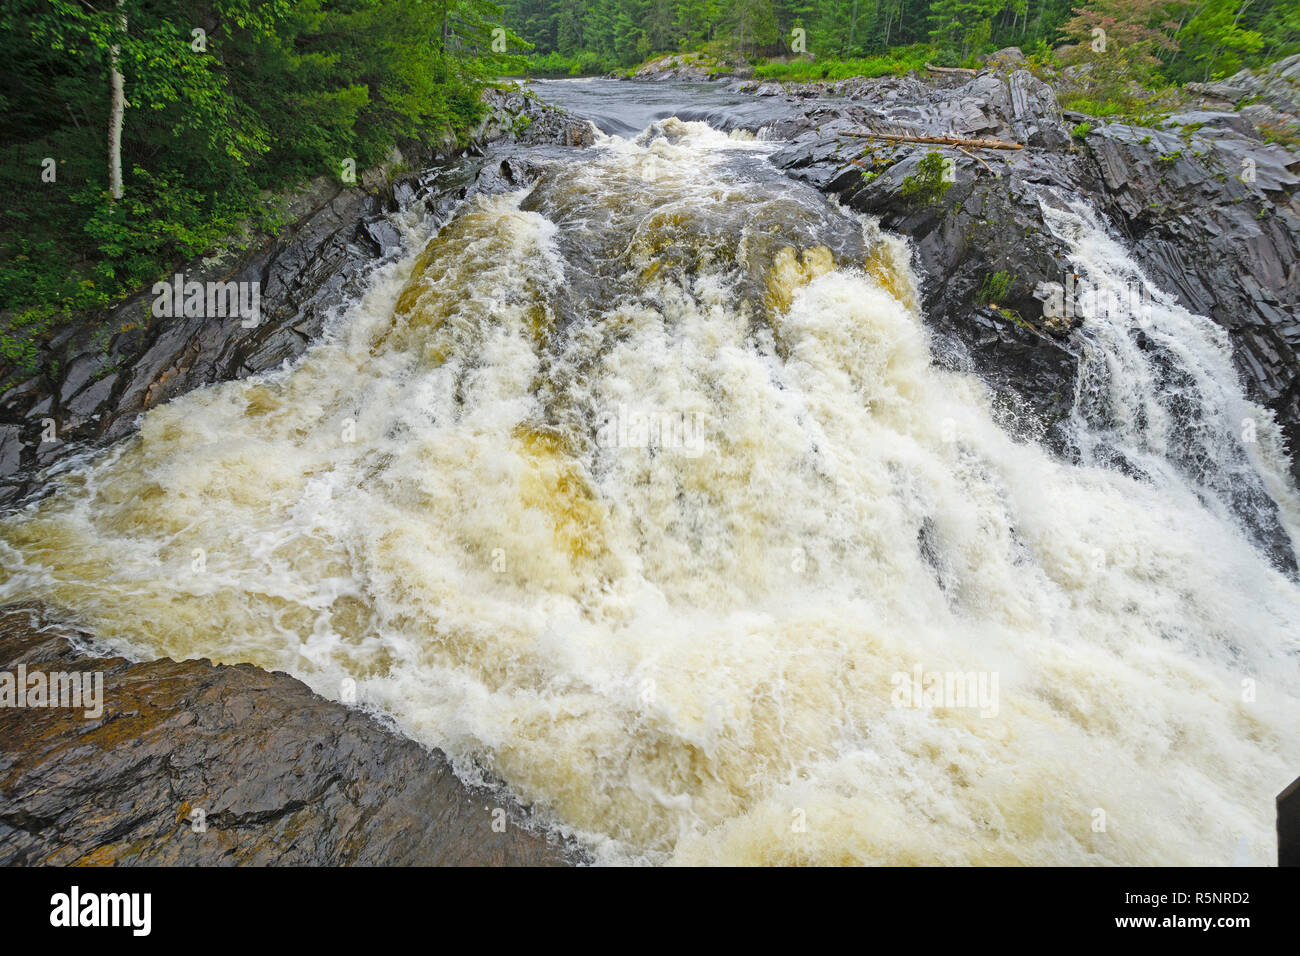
(117, 108)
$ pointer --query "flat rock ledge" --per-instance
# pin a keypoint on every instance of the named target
(192, 763)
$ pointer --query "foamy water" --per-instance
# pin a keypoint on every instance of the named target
(638, 491)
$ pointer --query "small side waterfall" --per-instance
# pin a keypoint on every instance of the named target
(1158, 395)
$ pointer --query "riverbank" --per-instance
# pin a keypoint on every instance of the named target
(1207, 204)
(102, 369)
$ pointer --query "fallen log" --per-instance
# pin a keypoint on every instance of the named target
(941, 140)
(950, 69)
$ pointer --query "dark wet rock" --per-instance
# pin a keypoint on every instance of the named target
(383, 236)
(1288, 825)
(280, 775)
(82, 406)
(11, 446)
(515, 116)
(1214, 218)
(987, 221)
(109, 368)
(511, 173)
(1228, 248)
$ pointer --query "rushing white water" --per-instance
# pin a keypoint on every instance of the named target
(1157, 392)
(638, 491)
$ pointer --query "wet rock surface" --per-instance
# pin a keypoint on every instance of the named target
(280, 775)
(519, 118)
(986, 221)
(1229, 248)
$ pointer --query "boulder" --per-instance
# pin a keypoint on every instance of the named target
(191, 763)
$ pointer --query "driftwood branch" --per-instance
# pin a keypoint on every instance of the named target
(950, 69)
(980, 160)
(941, 140)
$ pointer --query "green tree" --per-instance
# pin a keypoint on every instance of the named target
(165, 120)
(751, 25)
(1215, 39)
(963, 26)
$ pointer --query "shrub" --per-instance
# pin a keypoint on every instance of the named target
(929, 183)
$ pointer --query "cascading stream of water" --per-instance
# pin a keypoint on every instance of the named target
(1157, 392)
(638, 491)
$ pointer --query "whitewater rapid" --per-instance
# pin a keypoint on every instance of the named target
(637, 491)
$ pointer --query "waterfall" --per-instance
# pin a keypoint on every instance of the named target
(1157, 393)
(638, 493)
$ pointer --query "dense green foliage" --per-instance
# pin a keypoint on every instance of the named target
(227, 102)
(1181, 39)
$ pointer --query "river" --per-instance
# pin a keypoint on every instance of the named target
(639, 493)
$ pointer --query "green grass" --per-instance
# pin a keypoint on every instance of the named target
(1094, 107)
(996, 286)
(1133, 110)
(1282, 137)
(895, 61)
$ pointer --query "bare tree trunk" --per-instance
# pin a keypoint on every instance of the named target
(967, 71)
(941, 140)
(117, 108)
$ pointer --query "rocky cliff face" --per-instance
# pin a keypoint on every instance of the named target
(195, 764)
(1208, 208)
(107, 369)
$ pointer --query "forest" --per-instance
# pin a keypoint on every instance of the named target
(1190, 39)
(140, 133)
